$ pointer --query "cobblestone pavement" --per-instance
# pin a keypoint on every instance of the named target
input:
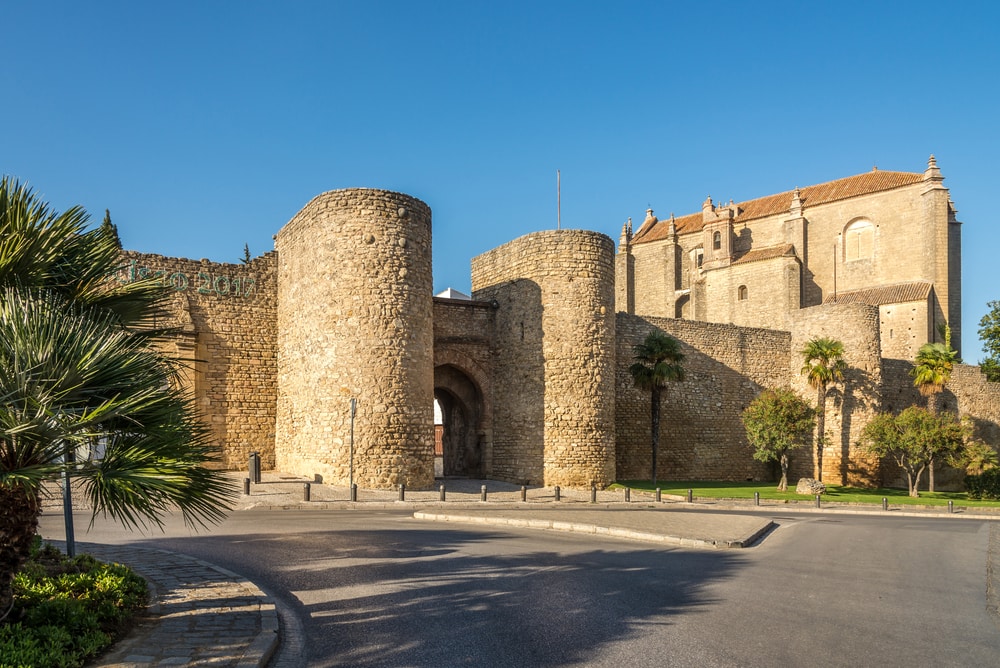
(200, 614)
(204, 615)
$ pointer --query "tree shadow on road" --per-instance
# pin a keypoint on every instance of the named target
(436, 597)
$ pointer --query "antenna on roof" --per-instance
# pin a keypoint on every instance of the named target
(558, 200)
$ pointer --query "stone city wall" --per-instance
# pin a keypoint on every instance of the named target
(849, 405)
(967, 392)
(227, 331)
(463, 373)
(554, 366)
(354, 321)
(701, 434)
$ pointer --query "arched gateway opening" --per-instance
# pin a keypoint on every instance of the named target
(458, 422)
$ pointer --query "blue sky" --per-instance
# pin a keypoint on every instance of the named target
(206, 125)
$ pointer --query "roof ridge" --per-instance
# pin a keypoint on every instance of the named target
(855, 185)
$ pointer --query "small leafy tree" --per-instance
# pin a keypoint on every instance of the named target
(777, 422)
(657, 362)
(824, 364)
(989, 334)
(246, 254)
(913, 438)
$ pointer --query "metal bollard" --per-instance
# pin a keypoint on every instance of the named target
(402, 492)
(885, 503)
(659, 495)
(482, 493)
(690, 496)
(817, 500)
(557, 490)
(442, 492)
(756, 498)
(951, 506)
(628, 495)
(524, 493)
(246, 486)
(593, 492)
(306, 491)
(354, 492)
(254, 467)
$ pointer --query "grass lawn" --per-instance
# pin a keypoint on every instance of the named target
(708, 489)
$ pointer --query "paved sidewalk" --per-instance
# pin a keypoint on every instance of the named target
(199, 614)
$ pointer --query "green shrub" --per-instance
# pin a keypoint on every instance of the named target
(985, 485)
(67, 610)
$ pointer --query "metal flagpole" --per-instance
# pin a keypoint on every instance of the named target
(558, 200)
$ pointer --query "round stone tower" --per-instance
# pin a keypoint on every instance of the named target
(554, 387)
(355, 321)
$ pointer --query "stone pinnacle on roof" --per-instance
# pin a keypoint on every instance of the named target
(626, 237)
(796, 208)
(932, 172)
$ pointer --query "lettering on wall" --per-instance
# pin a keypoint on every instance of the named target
(202, 282)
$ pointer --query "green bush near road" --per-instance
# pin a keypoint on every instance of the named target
(835, 493)
(68, 611)
(985, 485)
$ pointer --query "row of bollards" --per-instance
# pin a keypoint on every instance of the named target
(254, 470)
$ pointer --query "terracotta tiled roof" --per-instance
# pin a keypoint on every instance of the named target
(767, 253)
(885, 294)
(851, 186)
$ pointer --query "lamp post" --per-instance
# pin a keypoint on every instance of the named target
(354, 409)
(68, 505)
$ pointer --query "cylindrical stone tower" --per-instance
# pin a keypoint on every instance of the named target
(355, 321)
(554, 369)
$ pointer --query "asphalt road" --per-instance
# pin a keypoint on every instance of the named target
(378, 588)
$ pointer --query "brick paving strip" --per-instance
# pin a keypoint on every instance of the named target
(199, 613)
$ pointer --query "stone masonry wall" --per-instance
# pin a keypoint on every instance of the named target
(463, 343)
(354, 320)
(773, 289)
(849, 405)
(226, 315)
(554, 372)
(967, 392)
(701, 434)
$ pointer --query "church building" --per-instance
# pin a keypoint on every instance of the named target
(883, 238)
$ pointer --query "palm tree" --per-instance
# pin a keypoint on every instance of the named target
(657, 362)
(80, 375)
(824, 364)
(932, 370)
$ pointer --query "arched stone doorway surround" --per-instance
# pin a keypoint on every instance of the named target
(461, 390)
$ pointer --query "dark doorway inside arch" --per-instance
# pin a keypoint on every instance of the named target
(460, 407)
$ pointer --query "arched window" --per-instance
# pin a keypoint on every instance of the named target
(716, 240)
(859, 241)
(741, 293)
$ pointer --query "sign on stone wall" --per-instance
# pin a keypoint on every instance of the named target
(201, 282)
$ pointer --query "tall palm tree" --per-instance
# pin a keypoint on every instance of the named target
(79, 368)
(657, 362)
(824, 364)
(931, 371)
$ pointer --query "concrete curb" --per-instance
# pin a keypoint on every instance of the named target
(580, 527)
